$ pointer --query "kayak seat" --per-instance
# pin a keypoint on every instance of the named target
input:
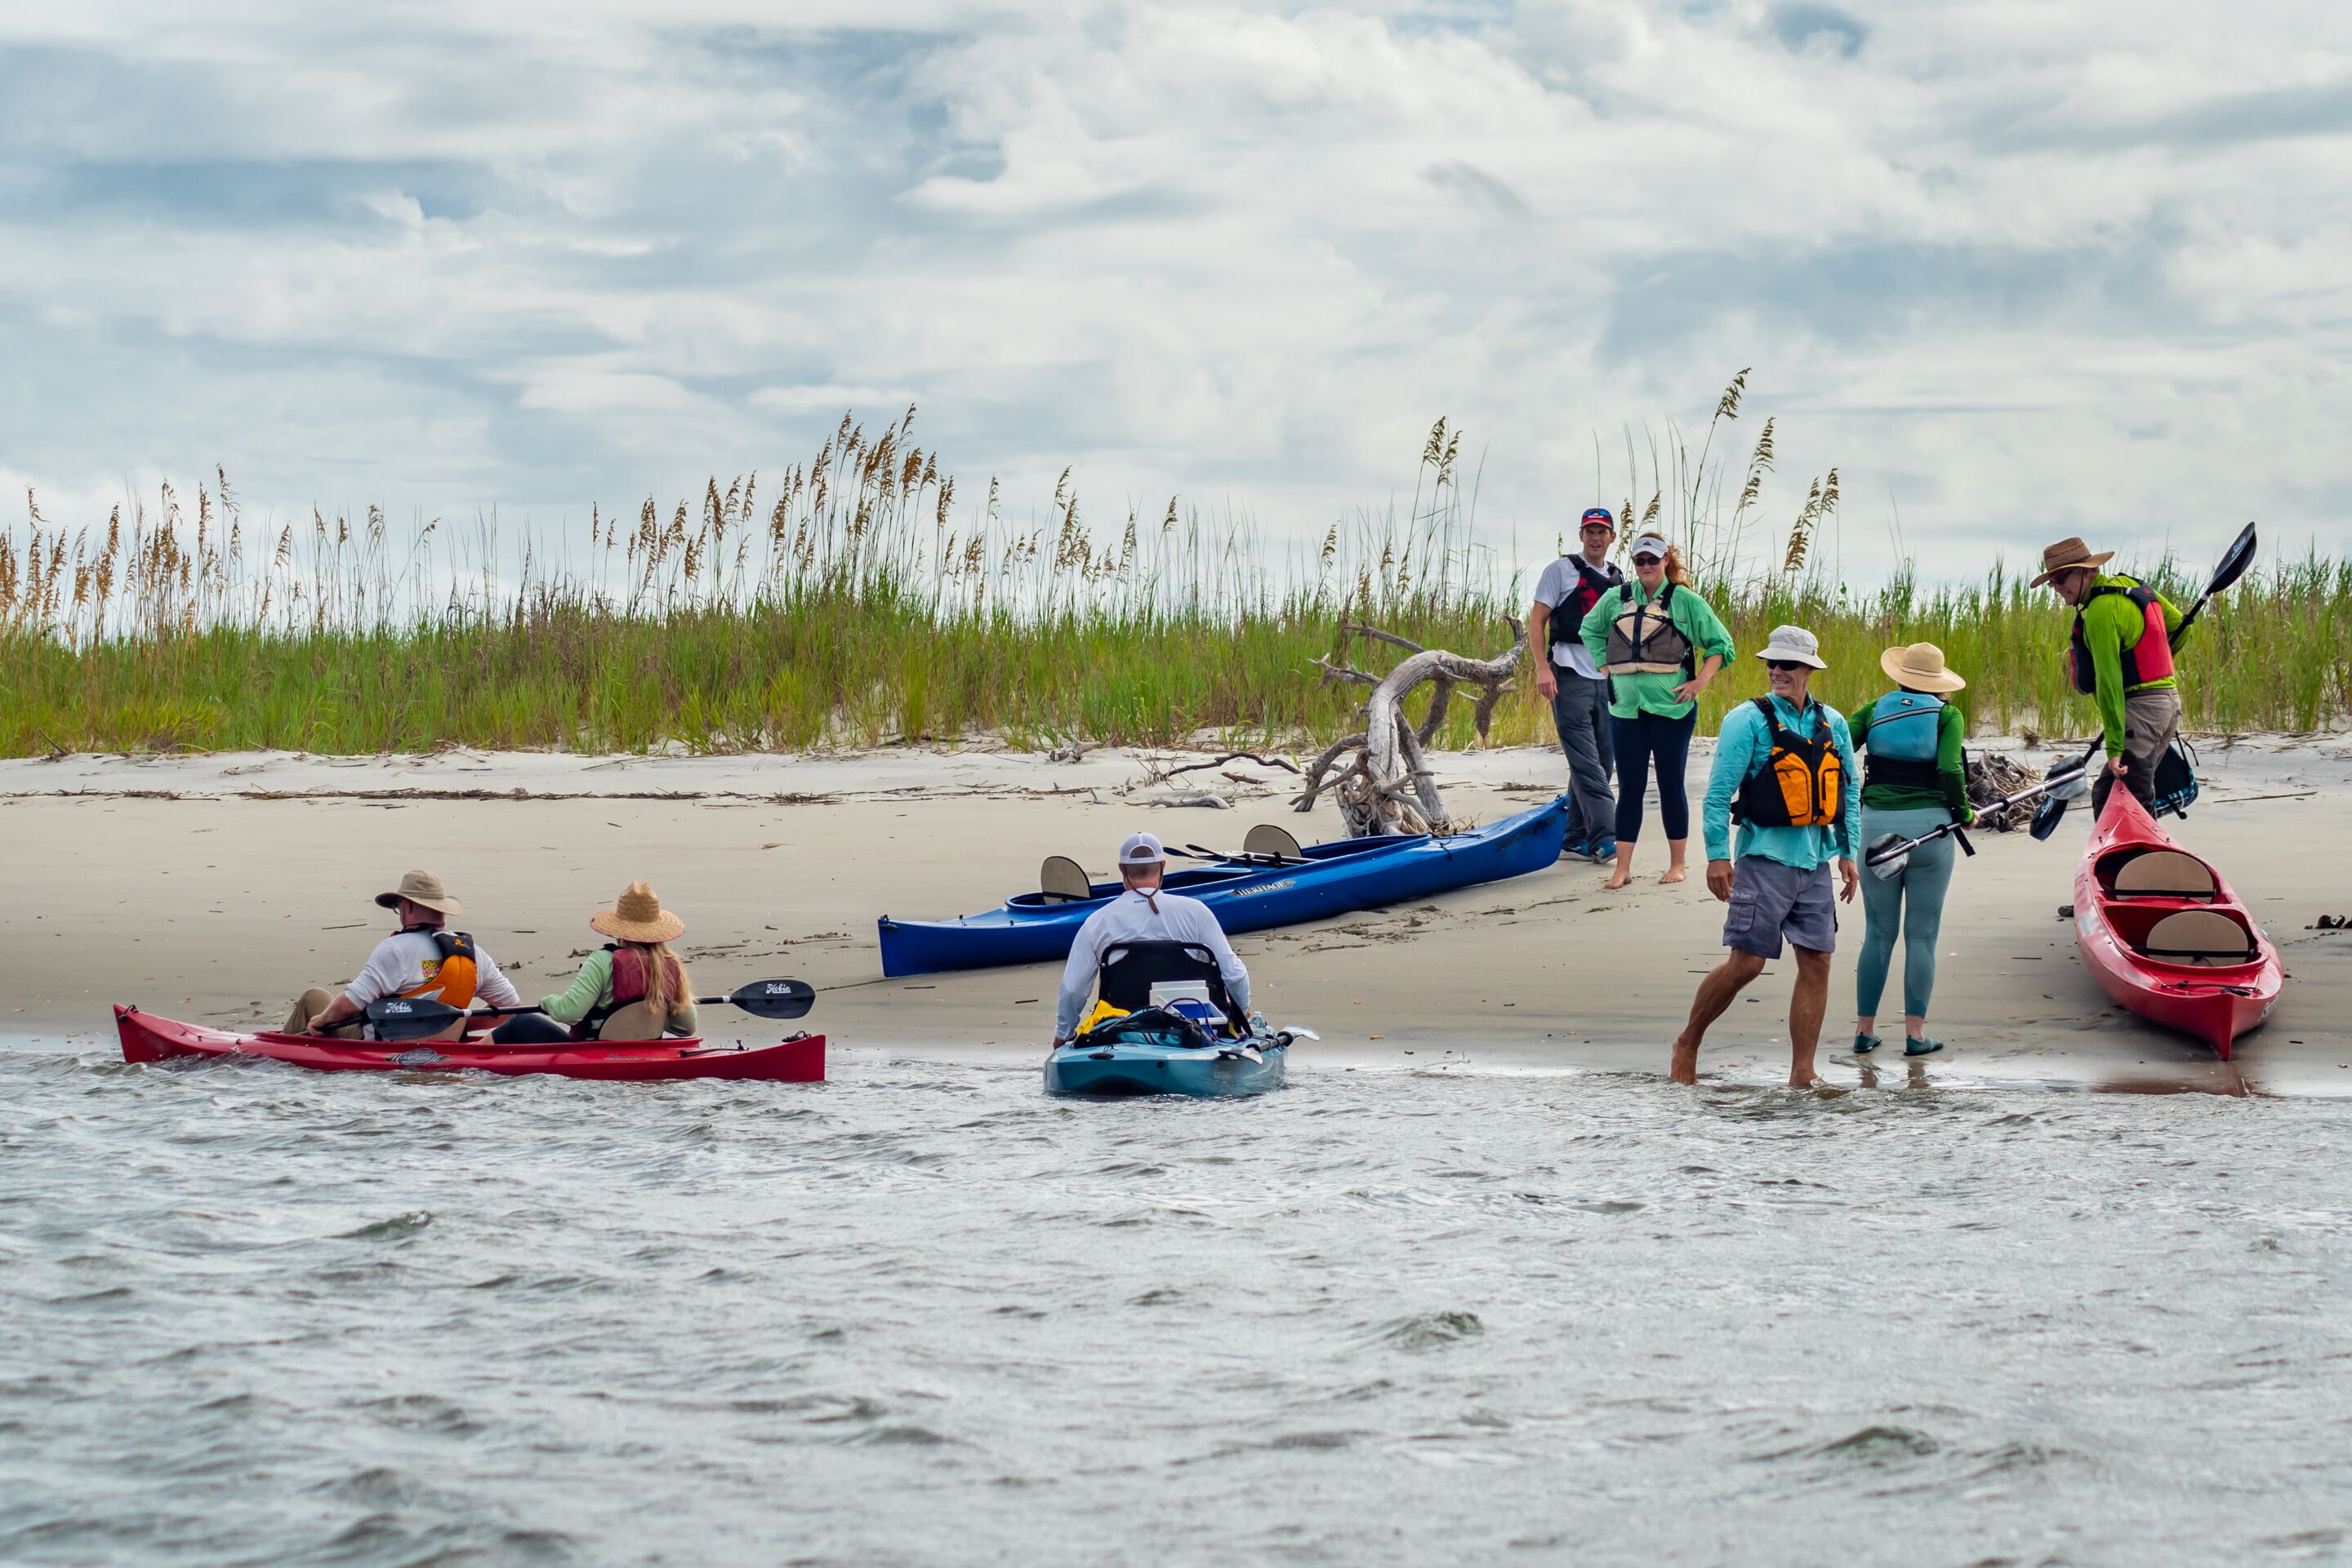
(2165, 874)
(638, 1021)
(1131, 969)
(1062, 880)
(2205, 938)
(1268, 839)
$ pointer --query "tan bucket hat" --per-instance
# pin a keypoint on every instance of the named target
(1920, 666)
(421, 888)
(2067, 554)
(637, 916)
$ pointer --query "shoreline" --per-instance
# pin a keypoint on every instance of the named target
(214, 888)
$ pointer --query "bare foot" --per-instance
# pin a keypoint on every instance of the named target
(1674, 874)
(1617, 879)
(1683, 1066)
(1805, 1078)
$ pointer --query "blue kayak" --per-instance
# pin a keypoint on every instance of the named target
(1333, 878)
(1117, 1058)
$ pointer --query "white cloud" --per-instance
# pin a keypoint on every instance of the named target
(2021, 270)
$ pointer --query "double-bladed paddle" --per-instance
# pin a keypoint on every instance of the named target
(1246, 857)
(1887, 854)
(418, 1018)
(2233, 563)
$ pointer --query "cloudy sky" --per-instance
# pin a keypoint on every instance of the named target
(2019, 269)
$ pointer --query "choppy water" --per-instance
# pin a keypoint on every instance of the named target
(921, 1315)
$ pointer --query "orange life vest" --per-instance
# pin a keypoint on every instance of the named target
(1802, 785)
(450, 978)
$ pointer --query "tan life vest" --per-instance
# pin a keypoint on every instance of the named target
(1644, 639)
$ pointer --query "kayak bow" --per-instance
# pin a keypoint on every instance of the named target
(2165, 935)
(800, 1059)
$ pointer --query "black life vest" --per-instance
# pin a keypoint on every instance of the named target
(1592, 581)
(1644, 639)
(452, 980)
(1803, 783)
(2149, 659)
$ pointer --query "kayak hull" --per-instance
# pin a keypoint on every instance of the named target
(801, 1059)
(1336, 878)
(2217, 1003)
(1135, 1067)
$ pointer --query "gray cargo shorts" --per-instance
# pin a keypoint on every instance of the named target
(1769, 900)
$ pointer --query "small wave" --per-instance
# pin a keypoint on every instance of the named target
(1433, 1331)
(390, 1229)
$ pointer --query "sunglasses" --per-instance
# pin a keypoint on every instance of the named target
(1645, 561)
(1599, 527)
(1782, 666)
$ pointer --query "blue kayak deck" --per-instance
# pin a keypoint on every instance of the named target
(1335, 877)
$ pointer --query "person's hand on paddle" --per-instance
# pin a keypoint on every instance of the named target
(1718, 880)
(1850, 875)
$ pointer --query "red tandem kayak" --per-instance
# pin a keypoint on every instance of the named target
(2164, 934)
(800, 1059)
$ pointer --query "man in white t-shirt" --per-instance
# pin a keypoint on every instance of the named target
(1574, 685)
(1142, 914)
(423, 958)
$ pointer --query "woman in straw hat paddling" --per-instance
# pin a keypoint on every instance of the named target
(1915, 781)
(633, 988)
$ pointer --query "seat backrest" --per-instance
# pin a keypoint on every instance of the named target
(1062, 880)
(638, 1021)
(2165, 873)
(2203, 937)
(1266, 839)
(1131, 969)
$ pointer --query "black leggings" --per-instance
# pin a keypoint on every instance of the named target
(530, 1029)
(1638, 738)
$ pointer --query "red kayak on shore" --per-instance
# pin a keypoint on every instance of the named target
(800, 1059)
(2164, 935)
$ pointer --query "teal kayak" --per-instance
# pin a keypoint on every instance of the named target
(1155, 1052)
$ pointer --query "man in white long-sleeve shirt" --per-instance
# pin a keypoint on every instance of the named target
(1142, 914)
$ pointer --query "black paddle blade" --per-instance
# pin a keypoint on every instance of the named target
(2234, 561)
(776, 999)
(2046, 816)
(410, 1017)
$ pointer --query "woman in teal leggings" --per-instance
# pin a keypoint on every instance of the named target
(1915, 781)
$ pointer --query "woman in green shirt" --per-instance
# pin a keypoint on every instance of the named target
(1915, 781)
(635, 968)
(1660, 645)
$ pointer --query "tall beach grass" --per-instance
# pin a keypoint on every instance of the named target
(856, 602)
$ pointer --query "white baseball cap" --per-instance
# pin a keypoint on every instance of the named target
(1650, 545)
(1793, 645)
(1141, 849)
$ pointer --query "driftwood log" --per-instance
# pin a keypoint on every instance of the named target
(1386, 786)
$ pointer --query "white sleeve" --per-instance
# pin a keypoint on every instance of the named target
(1078, 976)
(491, 985)
(385, 973)
(1550, 589)
(1212, 935)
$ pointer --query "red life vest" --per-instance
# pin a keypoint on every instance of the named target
(2148, 659)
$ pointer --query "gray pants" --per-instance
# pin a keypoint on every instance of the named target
(1581, 714)
(2151, 723)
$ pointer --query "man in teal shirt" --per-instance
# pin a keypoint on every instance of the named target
(1785, 763)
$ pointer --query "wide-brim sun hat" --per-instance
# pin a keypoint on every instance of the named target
(421, 888)
(2067, 554)
(637, 916)
(1920, 666)
(1793, 645)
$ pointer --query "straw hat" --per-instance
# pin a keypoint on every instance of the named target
(421, 888)
(2067, 554)
(637, 916)
(1919, 666)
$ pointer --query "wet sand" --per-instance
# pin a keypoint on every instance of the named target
(213, 888)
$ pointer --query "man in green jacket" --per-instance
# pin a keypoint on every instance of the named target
(2119, 655)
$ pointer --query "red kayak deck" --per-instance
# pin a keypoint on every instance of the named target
(2164, 934)
(800, 1059)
